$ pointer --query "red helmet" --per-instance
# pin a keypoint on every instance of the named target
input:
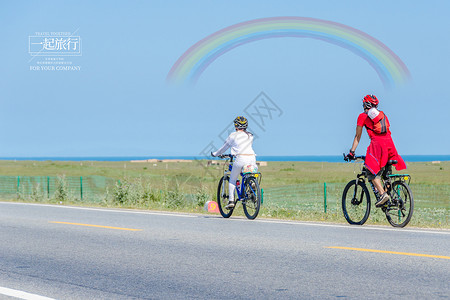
(370, 101)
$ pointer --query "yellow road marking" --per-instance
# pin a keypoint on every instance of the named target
(98, 226)
(391, 252)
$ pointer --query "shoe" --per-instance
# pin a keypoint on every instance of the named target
(230, 205)
(383, 199)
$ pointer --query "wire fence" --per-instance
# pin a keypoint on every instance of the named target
(330, 194)
(304, 196)
(83, 187)
(292, 196)
(431, 201)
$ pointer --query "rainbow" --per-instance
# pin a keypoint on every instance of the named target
(190, 66)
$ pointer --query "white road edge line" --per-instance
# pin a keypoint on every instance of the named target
(21, 294)
(241, 220)
(355, 227)
(105, 210)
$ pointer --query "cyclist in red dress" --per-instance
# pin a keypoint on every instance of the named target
(381, 148)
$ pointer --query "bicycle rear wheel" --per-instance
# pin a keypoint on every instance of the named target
(400, 208)
(356, 203)
(223, 197)
(252, 200)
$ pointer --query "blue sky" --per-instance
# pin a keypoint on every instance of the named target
(118, 103)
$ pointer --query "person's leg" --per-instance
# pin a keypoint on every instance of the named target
(240, 162)
(235, 171)
(377, 183)
(383, 196)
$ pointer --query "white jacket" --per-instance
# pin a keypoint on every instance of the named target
(240, 142)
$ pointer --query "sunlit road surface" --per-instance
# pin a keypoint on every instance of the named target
(58, 252)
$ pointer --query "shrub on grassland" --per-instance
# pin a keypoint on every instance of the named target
(62, 193)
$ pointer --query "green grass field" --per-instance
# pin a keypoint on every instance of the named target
(292, 190)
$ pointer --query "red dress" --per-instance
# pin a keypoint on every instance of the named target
(381, 148)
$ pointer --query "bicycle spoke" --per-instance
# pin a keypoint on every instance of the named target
(223, 197)
(356, 209)
(252, 198)
(400, 212)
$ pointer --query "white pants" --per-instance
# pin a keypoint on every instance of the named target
(238, 164)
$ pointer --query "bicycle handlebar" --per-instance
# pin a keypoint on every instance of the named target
(354, 158)
(226, 156)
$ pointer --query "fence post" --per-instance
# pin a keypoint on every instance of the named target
(48, 186)
(325, 197)
(18, 184)
(81, 187)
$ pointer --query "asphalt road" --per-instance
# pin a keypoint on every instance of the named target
(79, 253)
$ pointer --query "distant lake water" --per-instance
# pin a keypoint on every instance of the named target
(320, 158)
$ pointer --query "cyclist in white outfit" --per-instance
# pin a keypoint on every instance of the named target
(240, 143)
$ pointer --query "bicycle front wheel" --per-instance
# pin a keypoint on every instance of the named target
(223, 197)
(400, 208)
(356, 203)
(252, 200)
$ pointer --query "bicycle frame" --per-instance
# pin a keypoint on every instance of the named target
(387, 177)
(398, 208)
(240, 190)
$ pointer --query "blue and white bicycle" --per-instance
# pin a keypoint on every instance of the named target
(247, 191)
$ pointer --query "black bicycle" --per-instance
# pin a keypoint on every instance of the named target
(356, 199)
(247, 189)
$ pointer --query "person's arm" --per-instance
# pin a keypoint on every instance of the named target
(351, 155)
(223, 148)
(357, 138)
